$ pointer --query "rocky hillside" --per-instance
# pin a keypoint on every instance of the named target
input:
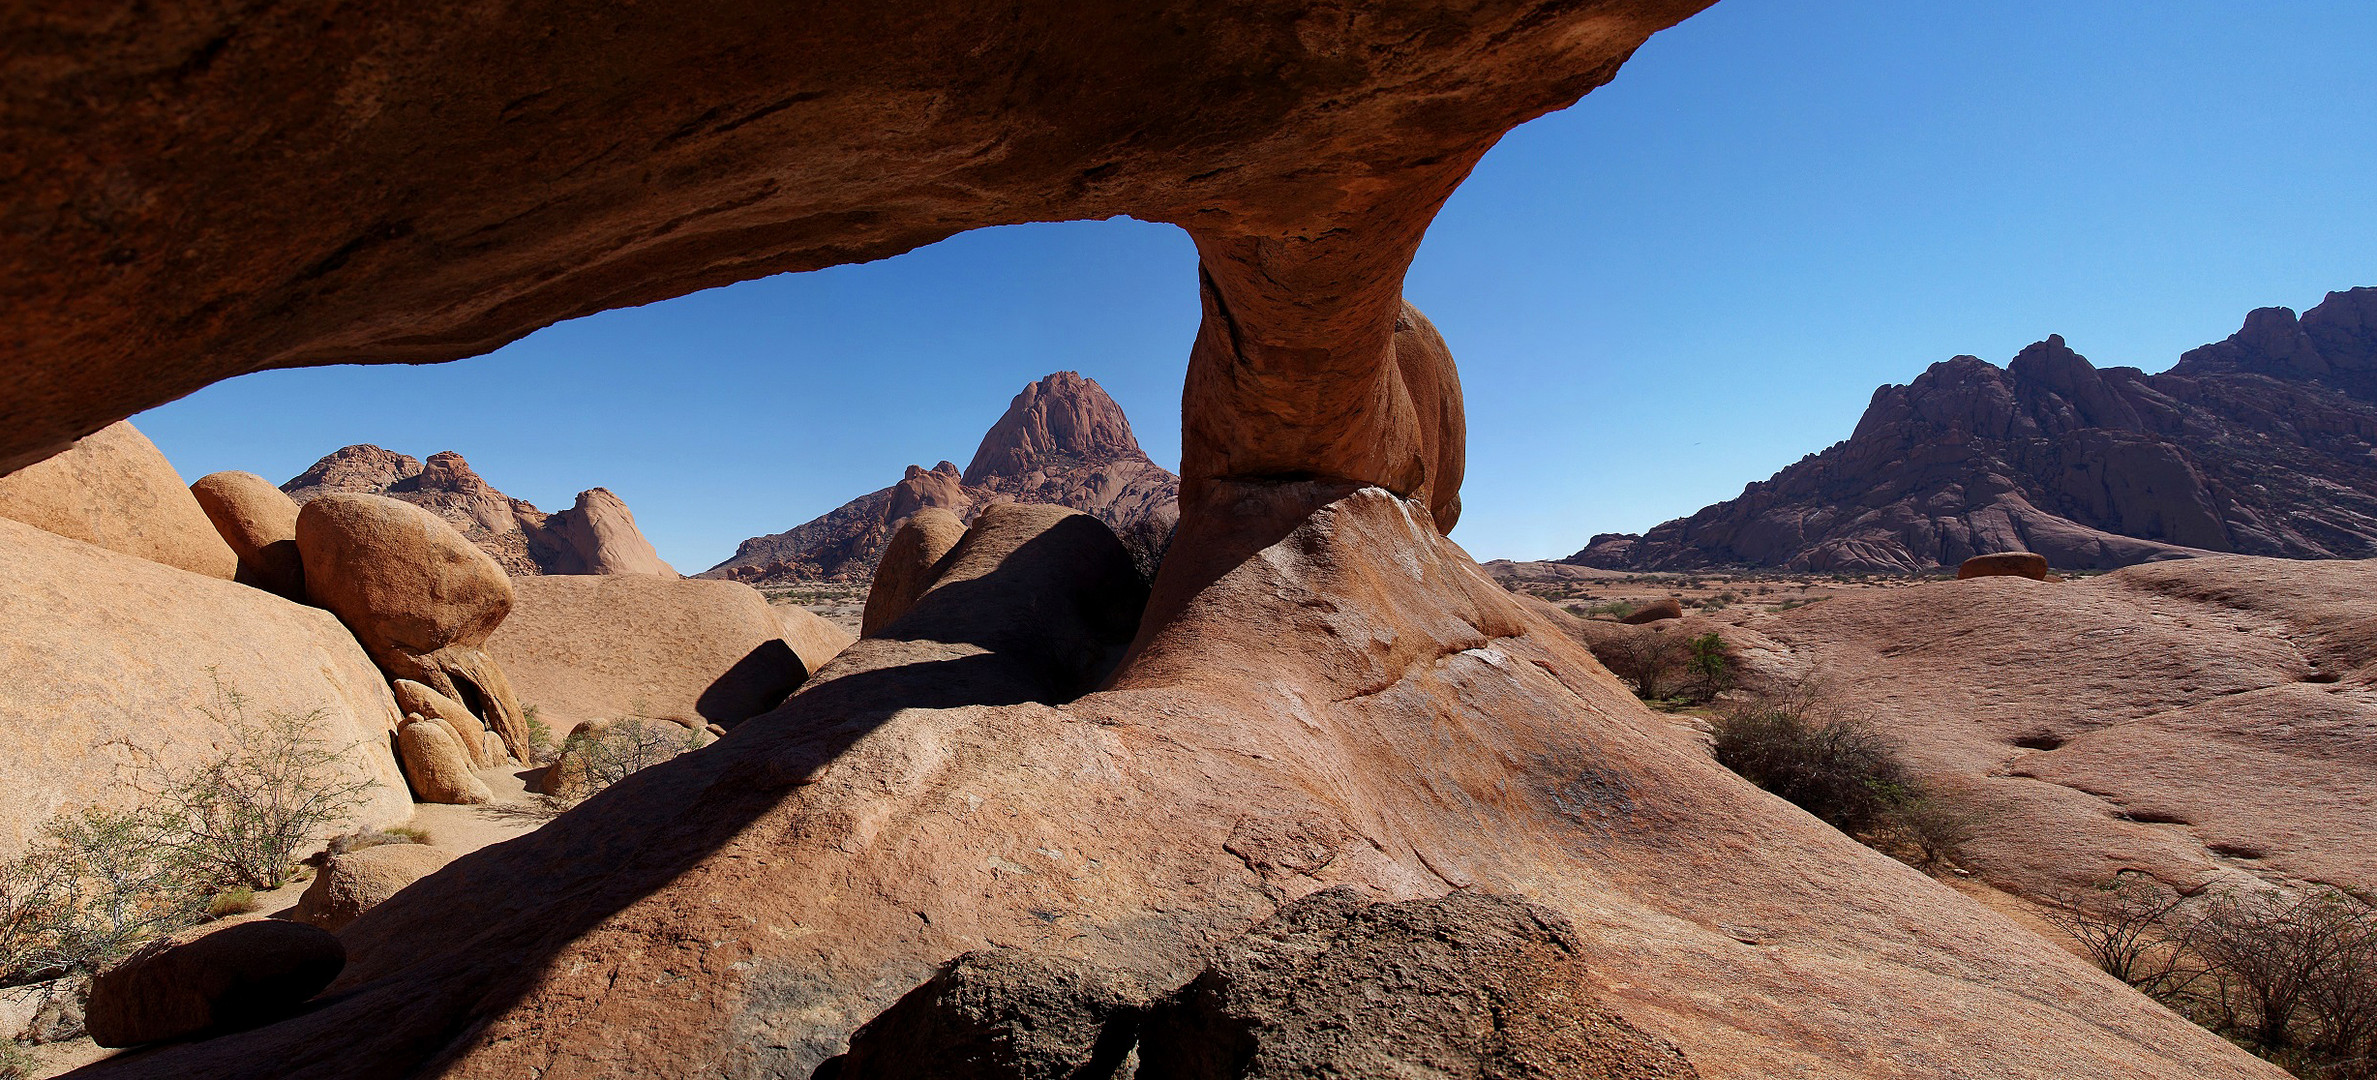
(596, 536)
(2263, 444)
(1062, 441)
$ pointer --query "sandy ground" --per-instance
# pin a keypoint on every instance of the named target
(838, 603)
(1587, 592)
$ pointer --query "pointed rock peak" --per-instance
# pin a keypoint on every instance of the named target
(2050, 361)
(1063, 417)
(358, 468)
(946, 468)
(447, 471)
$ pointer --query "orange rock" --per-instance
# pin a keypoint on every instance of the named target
(2005, 564)
(1665, 607)
(812, 638)
(585, 648)
(906, 569)
(420, 597)
(349, 885)
(414, 698)
(437, 765)
(260, 524)
(599, 536)
(211, 979)
(113, 489)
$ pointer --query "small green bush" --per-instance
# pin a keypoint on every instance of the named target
(238, 900)
(1846, 773)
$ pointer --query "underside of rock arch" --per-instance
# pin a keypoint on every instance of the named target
(1322, 691)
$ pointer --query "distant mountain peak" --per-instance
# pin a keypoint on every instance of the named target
(1061, 441)
(2265, 444)
(1063, 418)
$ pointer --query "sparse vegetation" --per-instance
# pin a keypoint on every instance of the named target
(2288, 974)
(371, 838)
(541, 747)
(597, 756)
(94, 886)
(241, 814)
(1846, 773)
(237, 900)
(1616, 609)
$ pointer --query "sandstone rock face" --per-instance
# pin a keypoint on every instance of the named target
(437, 765)
(420, 598)
(599, 536)
(113, 489)
(596, 536)
(1062, 442)
(812, 638)
(599, 648)
(211, 978)
(2259, 445)
(2201, 720)
(104, 651)
(414, 699)
(1464, 985)
(349, 885)
(2005, 564)
(743, 909)
(1666, 607)
(907, 565)
(260, 524)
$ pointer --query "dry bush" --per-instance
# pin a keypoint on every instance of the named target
(2288, 974)
(599, 755)
(94, 886)
(1846, 773)
(241, 814)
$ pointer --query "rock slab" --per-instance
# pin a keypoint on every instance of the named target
(114, 489)
(212, 978)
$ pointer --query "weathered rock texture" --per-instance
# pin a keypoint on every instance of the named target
(1062, 442)
(437, 764)
(596, 536)
(2200, 719)
(109, 658)
(420, 598)
(1466, 985)
(113, 489)
(1322, 691)
(2265, 444)
(260, 524)
(598, 648)
(907, 566)
(414, 699)
(813, 639)
(211, 978)
(1002, 1014)
(348, 885)
(742, 909)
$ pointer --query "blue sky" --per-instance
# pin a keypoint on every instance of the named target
(1692, 278)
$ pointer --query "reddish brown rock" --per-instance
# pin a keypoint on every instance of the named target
(111, 660)
(582, 648)
(599, 536)
(348, 885)
(1062, 441)
(420, 598)
(2257, 445)
(2005, 564)
(437, 766)
(211, 979)
(907, 566)
(260, 524)
(1665, 607)
(812, 638)
(412, 698)
(115, 490)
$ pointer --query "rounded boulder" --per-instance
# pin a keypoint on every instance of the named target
(212, 978)
(351, 884)
(906, 569)
(402, 578)
(1666, 607)
(259, 521)
(2005, 564)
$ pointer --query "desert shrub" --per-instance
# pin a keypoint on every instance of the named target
(1709, 665)
(1652, 660)
(1616, 609)
(1846, 773)
(240, 815)
(2288, 974)
(1837, 768)
(541, 747)
(371, 838)
(93, 886)
(597, 756)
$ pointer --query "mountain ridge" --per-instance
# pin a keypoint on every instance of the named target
(2264, 443)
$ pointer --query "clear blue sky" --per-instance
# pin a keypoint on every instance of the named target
(1687, 281)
